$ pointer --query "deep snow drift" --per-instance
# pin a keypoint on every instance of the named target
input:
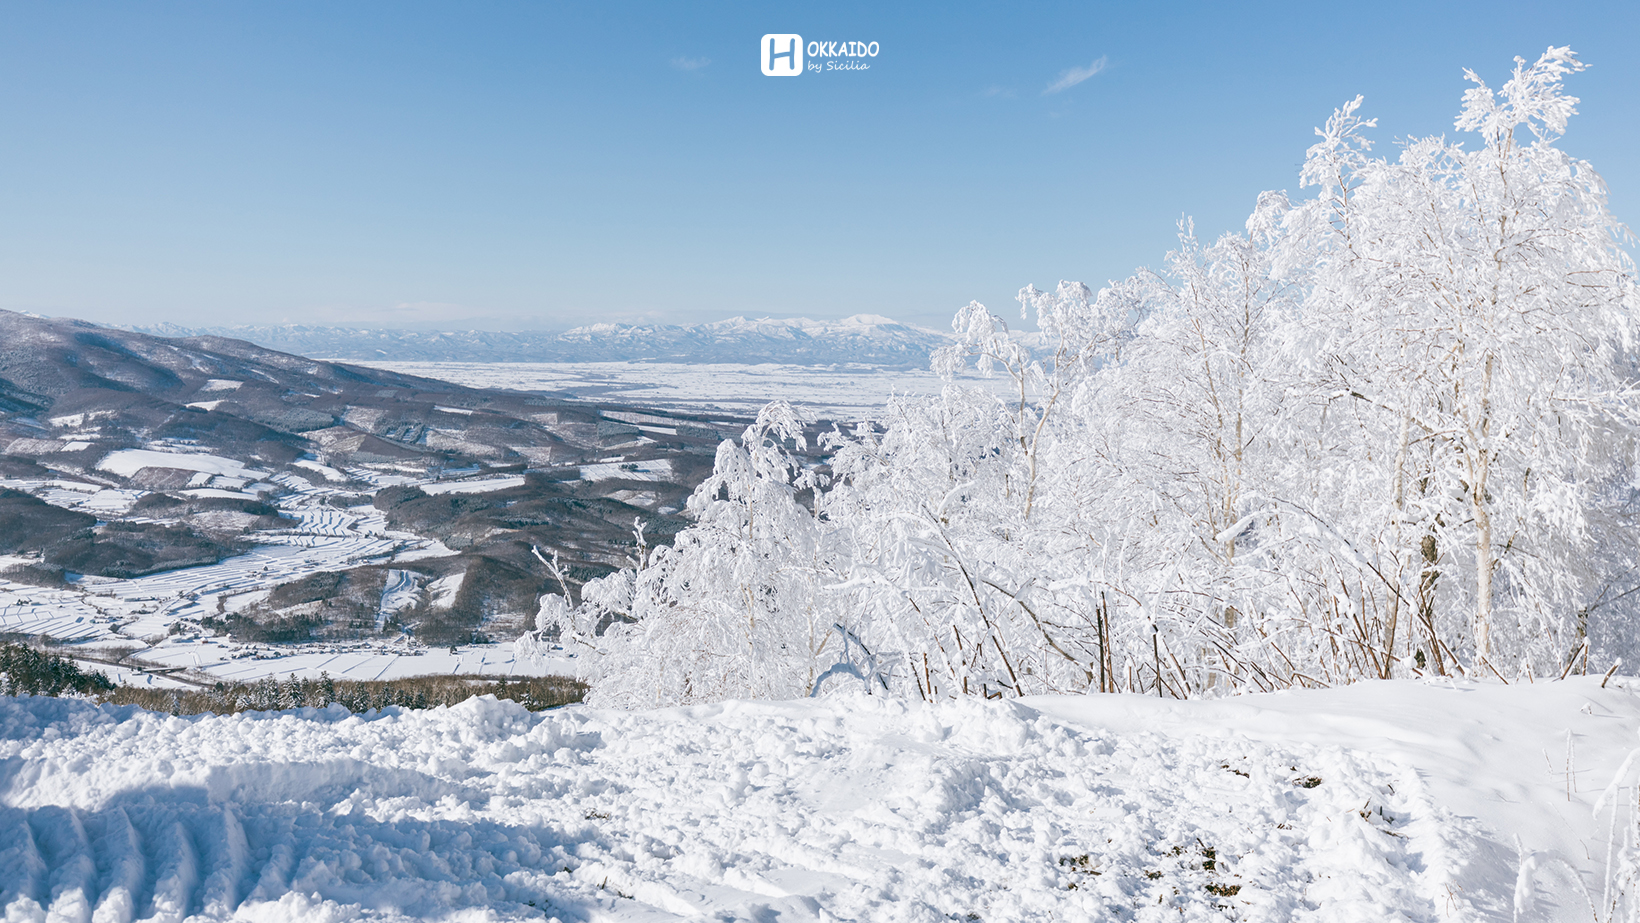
(1387, 800)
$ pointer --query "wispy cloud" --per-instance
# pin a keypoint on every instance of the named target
(1076, 75)
(996, 92)
(690, 64)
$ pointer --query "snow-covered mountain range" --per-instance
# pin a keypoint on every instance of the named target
(866, 339)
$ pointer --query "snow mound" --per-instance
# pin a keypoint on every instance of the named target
(845, 809)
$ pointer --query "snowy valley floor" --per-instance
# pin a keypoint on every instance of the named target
(1382, 801)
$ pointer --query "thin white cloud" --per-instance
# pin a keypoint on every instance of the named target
(1076, 75)
(690, 64)
(996, 92)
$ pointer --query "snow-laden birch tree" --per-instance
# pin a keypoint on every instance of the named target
(1476, 307)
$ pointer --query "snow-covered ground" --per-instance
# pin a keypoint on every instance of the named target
(77, 495)
(655, 469)
(129, 461)
(475, 485)
(1381, 801)
(322, 538)
(138, 614)
(831, 392)
(363, 660)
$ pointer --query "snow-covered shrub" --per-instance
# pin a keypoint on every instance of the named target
(733, 607)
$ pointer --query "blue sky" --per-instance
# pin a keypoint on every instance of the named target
(540, 165)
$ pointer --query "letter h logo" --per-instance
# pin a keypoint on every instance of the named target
(782, 55)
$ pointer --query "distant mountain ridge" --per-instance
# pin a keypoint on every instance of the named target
(865, 339)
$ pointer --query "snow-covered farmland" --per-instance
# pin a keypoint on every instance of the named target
(831, 392)
(72, 494)
(353, 661)
(475, 485)
(658, 469)
(127, 462)
(1381, 801)
(399, 592)
(138, 615)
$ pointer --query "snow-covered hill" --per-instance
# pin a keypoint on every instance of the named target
(1380, 801)
(865, 339)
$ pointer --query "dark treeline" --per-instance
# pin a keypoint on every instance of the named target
(26, 671)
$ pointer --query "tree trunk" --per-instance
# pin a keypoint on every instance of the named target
(1484, 563)
(1426, 599)
(1484, 566)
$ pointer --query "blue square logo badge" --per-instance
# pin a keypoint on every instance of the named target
(782, 55)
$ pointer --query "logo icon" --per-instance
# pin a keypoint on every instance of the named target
(782, 55)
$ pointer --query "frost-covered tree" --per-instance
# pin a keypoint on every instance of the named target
(730, 609)
(1195, 429)
(1475, 306)
(1387, 429)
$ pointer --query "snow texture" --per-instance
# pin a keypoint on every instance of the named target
(847, 392)
(1333, 806)
(475, 485)
(127, 462)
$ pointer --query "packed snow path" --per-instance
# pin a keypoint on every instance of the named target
(846, 809)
